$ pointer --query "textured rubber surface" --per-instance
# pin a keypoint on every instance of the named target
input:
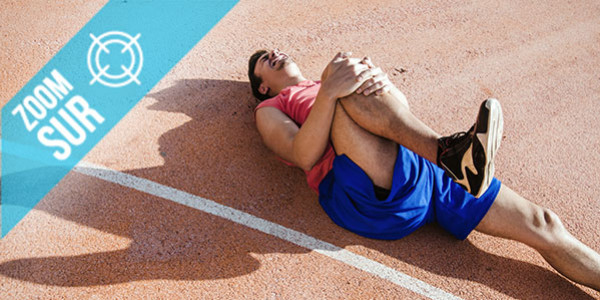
(490, 140)
(496, 123)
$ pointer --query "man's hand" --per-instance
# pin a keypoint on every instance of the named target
(342, 76)
(377, 81)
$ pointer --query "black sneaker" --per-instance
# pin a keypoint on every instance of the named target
(468, 157)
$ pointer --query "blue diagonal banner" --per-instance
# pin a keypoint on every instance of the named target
(88, 86)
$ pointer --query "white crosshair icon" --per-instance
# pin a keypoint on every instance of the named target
(130, 67)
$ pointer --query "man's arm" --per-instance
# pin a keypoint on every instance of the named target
(300, 146)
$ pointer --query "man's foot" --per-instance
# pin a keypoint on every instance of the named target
(468, 157)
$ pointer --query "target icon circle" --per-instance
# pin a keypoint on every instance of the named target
(128, 51)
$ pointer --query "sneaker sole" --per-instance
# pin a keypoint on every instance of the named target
(491, 141)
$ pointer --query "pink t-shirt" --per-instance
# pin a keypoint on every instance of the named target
(296, 102)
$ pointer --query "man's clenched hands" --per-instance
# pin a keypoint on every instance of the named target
(376, 80)
(345, 75)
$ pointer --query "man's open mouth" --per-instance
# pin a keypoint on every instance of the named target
(277, 61)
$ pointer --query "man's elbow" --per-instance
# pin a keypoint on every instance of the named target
(306, 166)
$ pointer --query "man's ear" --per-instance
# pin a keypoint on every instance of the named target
(263, 89)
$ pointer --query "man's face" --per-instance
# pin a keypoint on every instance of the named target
(275, 68)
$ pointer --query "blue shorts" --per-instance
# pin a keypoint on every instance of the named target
(421, 193)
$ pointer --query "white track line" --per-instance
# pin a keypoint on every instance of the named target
(240, 217)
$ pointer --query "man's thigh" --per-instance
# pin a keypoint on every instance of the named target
(363, 109)
(375, 155)
(387, 115)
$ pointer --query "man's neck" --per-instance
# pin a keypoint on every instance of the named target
(290, 82)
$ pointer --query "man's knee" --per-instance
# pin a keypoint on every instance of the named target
(359, 102)
(548, 226)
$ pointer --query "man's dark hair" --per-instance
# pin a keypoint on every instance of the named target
(255, 81)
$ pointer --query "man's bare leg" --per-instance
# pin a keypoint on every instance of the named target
(467, 158)
(513, 217)
(388, 115)
(373, 154)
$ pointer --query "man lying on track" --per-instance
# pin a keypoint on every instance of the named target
(382, 173)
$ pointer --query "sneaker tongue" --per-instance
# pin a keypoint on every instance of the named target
(457, 142)
(456, 138)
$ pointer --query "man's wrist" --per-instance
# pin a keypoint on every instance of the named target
(325, 94)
